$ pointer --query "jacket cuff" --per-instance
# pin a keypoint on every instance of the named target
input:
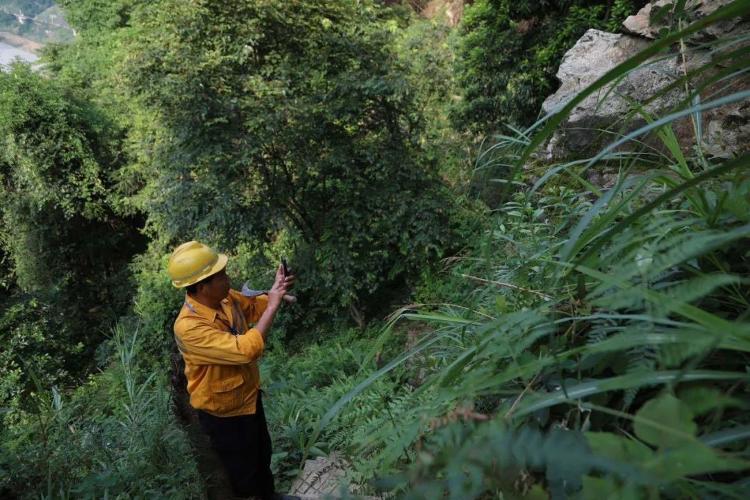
(255, 341)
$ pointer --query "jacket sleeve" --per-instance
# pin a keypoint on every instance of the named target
(202, 344)
(252, 307)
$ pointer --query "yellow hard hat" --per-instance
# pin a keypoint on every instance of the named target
(193, 261)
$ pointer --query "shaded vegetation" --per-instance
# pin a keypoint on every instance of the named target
(290, 119)
(64, 242)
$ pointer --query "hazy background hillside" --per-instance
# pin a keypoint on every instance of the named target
(27, 25)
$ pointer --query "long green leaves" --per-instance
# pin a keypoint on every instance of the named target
(586, 389)
(647, 208)
(628, 301)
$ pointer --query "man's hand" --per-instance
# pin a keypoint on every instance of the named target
(281, 286)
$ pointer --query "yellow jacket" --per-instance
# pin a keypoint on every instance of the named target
(221, 368)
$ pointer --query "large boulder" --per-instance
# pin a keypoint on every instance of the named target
(595, 53)
(725, 131)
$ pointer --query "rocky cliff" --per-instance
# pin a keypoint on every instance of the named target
(724, 131)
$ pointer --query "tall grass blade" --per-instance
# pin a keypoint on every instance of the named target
(586, 389)
(726, 167)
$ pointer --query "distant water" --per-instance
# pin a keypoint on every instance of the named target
(8, 53)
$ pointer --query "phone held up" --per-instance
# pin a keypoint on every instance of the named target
(284, 266)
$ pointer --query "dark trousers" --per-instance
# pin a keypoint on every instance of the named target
(244, 447)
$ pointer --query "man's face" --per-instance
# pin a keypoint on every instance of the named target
(217, 287)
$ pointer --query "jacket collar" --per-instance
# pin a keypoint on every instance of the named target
(206, 312)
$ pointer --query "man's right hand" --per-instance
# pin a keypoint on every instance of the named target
(281, 286)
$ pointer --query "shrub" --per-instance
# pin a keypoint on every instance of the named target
(289, 117)
(114, 436)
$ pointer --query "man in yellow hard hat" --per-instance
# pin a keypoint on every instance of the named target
(221, 351)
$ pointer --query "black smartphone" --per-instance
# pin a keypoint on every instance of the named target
(284, 266)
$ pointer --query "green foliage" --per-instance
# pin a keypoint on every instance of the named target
(290, 117)
(533, 355)
(115, 436)
(585, 342)
(301, 387)
(68, 249)
(55, 166)
(617, 315)
(300, 136)
(64, 243)
(37, 349)
(426, 49)
(156, 305)
(663, 409)
(97, 15)
(509, 53)
(50, 140)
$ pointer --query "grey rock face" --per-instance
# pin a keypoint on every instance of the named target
(595, 53)
(725, 131)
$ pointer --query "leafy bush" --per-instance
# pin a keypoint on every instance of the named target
(36, 349)
(64, 244)
(289, 118)
(156, 304)
(426, 49)
(115, 436)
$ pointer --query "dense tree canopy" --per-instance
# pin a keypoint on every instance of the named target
(287, 116)
(58, 164)
(64, 246)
